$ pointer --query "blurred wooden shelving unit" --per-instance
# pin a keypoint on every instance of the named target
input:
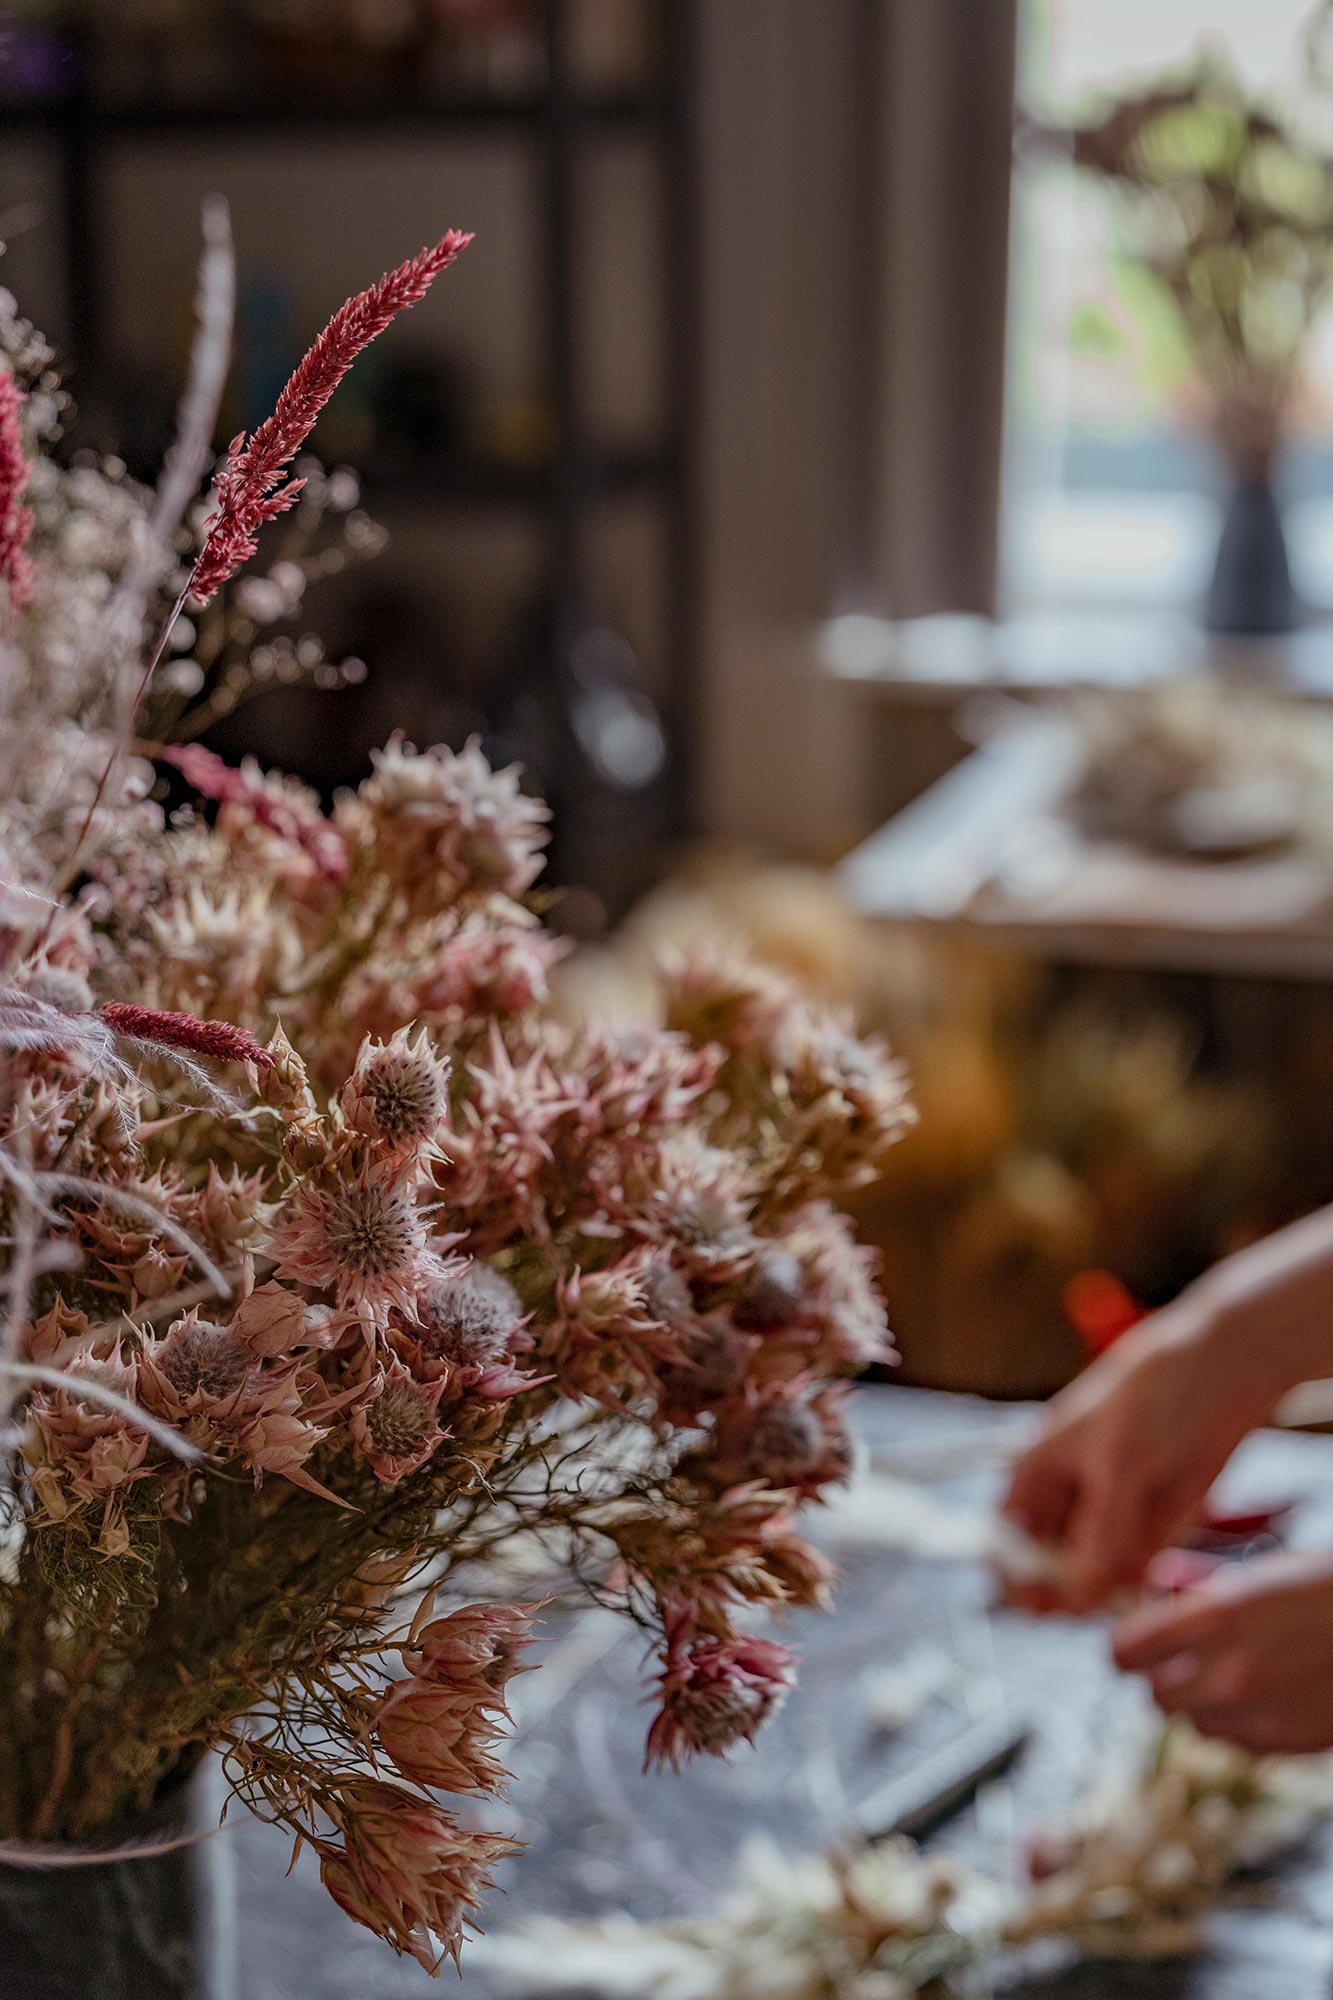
(560, 488)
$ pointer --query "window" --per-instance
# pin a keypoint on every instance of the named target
(1113, 493)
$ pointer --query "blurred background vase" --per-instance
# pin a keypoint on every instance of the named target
(154, 1926)
(1251, 593)
(1225, 208)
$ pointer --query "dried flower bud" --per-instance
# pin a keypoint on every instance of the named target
(436, 1736)
(271, 1321)
(76, 1449)
(478, 1645)
(284, 1084)
(232, 1207)
(57, 1335)
(396, 1430)
(407, 1870)
(397, 1095)
(469, 1321)
(773, 1292)
(716, 1693)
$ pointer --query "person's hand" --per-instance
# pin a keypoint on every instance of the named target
(1248, 1656)
(1127, 1454)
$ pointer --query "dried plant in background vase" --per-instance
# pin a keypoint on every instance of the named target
(334, 1263)
(1228, 208)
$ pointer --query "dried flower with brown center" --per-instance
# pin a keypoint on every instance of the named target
(774, 1292)
(715, 1693)
(713, 1365)
(784, 1443)
(371, 1230)
(397, 1092)
(362, 1238)
(397, 1430)
(200, 1358)
(470, 1321)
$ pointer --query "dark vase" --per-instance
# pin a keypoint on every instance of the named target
(158, 1927)
(1251, 591)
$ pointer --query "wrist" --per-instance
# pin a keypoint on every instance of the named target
(1260, 1342)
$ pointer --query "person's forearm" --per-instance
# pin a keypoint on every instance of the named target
(1267, 1312)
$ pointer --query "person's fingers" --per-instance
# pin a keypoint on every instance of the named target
(1231, 1722)
(1261, 1728)
(1037, 1598)
(1155, 1632)
(1105, 1547)
(1193, 1680)
(1042, 1494)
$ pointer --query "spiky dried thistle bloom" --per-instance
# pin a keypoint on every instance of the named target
(299, 1166)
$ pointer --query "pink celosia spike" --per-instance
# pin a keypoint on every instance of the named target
(248, 489)
(15, 518)
(186, 1031)
(265, 803)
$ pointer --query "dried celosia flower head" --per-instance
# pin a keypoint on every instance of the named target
(249, 488)
(15, 517)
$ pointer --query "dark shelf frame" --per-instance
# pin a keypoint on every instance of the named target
(496, 483)
(323, 117)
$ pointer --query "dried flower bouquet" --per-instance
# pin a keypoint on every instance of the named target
(332, 1259)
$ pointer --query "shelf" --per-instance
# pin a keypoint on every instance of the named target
(629, 111)
(460, 482)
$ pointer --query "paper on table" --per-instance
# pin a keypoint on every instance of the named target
(880, 1512)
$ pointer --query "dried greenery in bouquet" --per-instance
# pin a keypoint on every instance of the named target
(1229, 210)
(333, 1261)
(1133, 1877)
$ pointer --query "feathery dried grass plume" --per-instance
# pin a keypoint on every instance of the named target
(293, 1347)
(249, 488)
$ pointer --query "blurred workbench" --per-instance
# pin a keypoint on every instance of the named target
(987, 852)
(603, 1837)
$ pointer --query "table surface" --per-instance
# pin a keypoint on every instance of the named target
(987, 852)
(602, 1837)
